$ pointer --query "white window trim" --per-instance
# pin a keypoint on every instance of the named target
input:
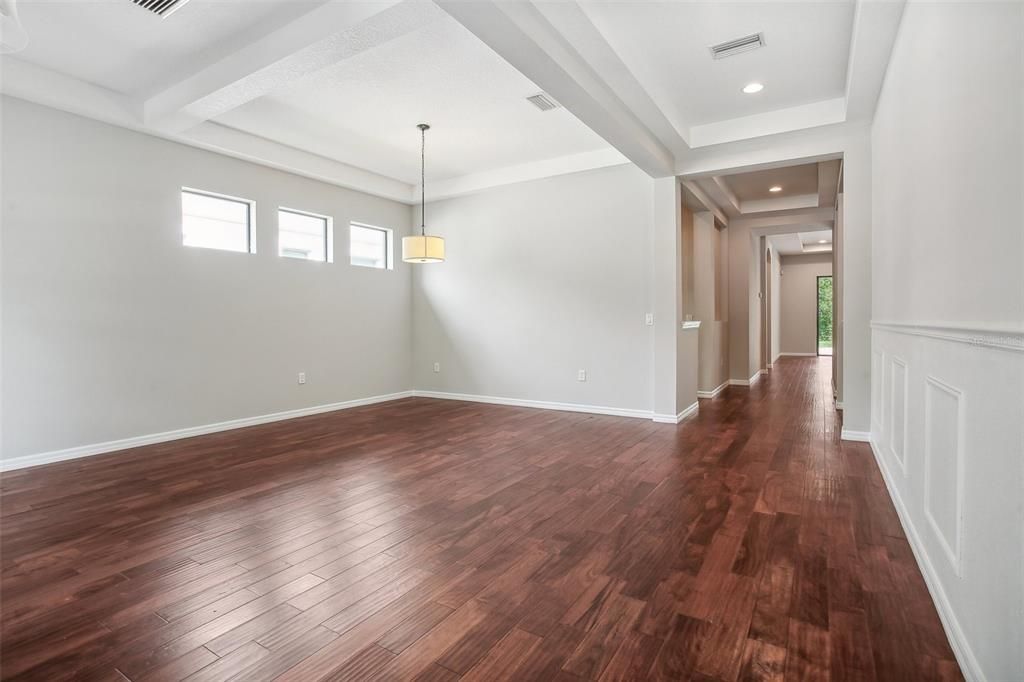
(329, 246)
(389, 244)
(250, 203)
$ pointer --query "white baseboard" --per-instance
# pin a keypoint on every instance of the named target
(797, 355)
(748, 382)
(676, 418)
(714, 393)
(538, 404)
(954, 633)
(859, 436)
(150, 439)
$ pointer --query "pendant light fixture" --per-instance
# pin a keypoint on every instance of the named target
(423, 247)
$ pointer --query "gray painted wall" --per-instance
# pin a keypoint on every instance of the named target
(948, 248)
(798, 304)
(113, 329)
(543, 279)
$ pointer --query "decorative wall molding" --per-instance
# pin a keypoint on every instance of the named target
(983, 336)
(715, 392)
(538, 404)
(188, 432)
(969, 664)
(899, 381)
(877, 370)
(951, 546)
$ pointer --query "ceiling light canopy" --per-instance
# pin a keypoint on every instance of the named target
(423, 247)
(775, 188)
(823, 241)
(751, 88)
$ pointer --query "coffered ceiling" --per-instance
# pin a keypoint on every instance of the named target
(334, 89)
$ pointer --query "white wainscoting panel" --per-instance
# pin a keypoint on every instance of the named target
(877, 369)
(898, 412)
(944, 465)
(948, 434)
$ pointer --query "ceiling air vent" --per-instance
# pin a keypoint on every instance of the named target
(543, 102)
(163, 8)
(734, 47)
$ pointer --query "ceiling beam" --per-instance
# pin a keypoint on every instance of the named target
(828, 182)
(553, 46)
(324, 36)
(706, 201)
(875, 25)
(819, 218)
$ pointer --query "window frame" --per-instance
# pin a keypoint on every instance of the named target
(250, 218)
(328, 233)
(389, 245)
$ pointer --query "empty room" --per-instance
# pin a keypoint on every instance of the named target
(554, 340)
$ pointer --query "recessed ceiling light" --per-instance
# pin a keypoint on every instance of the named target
(823, 241)
(776, 188)
(751, 88)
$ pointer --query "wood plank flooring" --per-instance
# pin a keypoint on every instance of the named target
(436, 540)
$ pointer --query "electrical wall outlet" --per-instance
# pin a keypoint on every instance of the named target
(302, 377)
(649, 319)
(581, 375)
(437, 367)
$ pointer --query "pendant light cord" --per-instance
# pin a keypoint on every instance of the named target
(423, 180)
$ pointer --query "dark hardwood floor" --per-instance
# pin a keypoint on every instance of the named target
(436, 540)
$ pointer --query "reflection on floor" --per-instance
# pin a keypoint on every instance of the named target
(509, 543)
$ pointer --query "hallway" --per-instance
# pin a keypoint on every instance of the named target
(746, 543)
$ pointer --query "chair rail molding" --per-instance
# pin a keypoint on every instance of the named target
(986, 336)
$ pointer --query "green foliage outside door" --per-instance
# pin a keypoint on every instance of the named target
(825, 315)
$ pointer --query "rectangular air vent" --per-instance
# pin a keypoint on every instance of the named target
(164, 8)
(543, 102)
(734, 47)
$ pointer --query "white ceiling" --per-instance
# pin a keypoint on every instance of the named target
(665, 44)
(364, 110)
(794, 181)
(120, 46)
(333, 89)
(798, 243)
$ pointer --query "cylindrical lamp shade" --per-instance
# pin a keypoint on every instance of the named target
(423, 249)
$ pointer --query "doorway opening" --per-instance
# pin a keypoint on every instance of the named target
(824, 330)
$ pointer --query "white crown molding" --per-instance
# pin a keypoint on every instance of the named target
(985, 336)
(56, 90)
(536, 404)
(536, 170)
(59, 91)
(188, 432)
(822, 113)
(713, 394)
(969, 664)
(792, 203)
